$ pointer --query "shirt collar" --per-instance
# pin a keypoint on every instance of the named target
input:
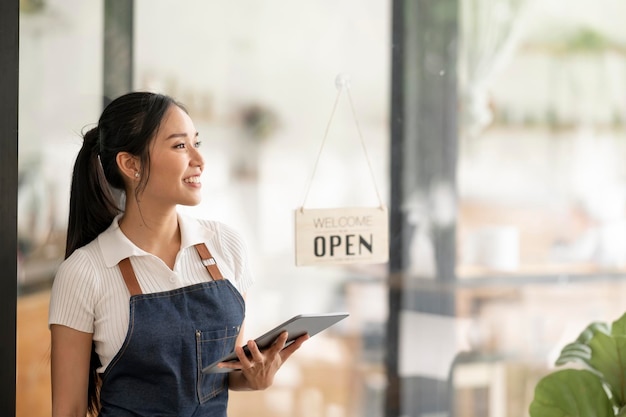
(116, 246)
(192, 231)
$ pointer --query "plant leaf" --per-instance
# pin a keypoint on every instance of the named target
(618, 331)
(592, 329)
(580, 351)
(618, 328)
(574, 352)
(603, 351)
(608, 357)
(570, 393)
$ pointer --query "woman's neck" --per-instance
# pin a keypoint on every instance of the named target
(156, 232)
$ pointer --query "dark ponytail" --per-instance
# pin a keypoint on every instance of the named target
(92, 204)
(92, 209)
(127, 124)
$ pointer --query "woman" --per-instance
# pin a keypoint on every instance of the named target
(146, 296)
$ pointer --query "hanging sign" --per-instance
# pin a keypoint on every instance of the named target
(342, 236)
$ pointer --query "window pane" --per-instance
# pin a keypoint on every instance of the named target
(259, 79)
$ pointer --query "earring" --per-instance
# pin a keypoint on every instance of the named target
(136, 174)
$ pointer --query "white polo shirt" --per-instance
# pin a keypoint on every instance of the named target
(89, 293)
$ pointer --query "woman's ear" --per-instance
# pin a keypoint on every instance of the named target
(128, 165)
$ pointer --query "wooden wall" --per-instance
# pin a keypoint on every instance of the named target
(33, 356)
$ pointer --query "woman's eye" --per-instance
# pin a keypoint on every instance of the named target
(198, 144)
(179, 146)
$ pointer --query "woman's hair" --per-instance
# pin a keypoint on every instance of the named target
(127, 124)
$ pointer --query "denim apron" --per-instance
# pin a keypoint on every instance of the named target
(171, 336)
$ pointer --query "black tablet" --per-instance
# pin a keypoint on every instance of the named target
(296, 326)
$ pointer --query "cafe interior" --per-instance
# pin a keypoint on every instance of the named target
(491, 132)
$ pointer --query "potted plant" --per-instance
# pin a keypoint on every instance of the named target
(596, 387)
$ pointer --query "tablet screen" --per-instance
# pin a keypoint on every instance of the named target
(296, 326)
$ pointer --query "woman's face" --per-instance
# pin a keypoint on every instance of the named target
(175, 162)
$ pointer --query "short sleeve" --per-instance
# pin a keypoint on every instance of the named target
(73, 295)
(235, 248)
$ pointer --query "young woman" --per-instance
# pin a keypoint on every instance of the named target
(146, 296)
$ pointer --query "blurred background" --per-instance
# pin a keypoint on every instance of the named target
(496, 131)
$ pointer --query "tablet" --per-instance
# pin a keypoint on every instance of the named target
(296, 326)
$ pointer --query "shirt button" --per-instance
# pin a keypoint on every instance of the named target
(173, 279)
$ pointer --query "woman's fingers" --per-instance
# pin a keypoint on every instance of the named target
(256, 357)
(279, 343)
(289, 350)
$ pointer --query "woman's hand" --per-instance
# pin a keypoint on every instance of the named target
(257, 372)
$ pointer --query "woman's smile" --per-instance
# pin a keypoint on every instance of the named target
(195, 181)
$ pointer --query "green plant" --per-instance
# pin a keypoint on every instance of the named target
(596, 388)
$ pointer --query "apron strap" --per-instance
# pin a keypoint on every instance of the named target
(132, 284)
(209, 261)
(129, 277)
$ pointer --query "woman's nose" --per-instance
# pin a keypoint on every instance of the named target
(196, 158)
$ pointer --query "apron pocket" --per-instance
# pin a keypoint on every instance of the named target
(210, 347)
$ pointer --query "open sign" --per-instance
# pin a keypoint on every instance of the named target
(342, 235)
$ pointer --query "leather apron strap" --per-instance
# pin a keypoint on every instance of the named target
(208, 261)
(129, 277)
